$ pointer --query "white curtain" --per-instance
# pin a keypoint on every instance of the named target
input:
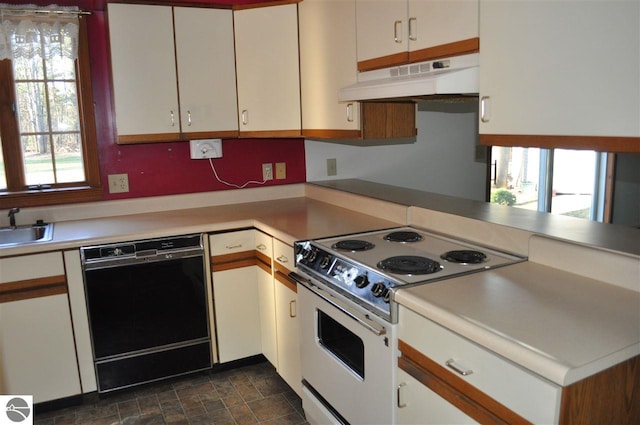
(28, 31)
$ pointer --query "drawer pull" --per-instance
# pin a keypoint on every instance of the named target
(261, 247)
(462, 371)
(233, 246)
(282, 259)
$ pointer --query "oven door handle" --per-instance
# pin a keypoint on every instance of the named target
(363, 320)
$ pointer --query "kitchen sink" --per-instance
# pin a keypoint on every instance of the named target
(20, 235)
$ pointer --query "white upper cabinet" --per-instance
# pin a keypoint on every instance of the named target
(382, 28)
(206, 69)
(392, 32)
(268, 71)
(559, 68)
(143, 69)
(149, 69)
(440, 22)
(328, 63)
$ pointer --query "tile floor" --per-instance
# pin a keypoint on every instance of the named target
(252, 394)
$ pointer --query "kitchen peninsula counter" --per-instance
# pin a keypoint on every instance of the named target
(604, 236)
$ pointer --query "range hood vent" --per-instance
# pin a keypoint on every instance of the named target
(457, 75)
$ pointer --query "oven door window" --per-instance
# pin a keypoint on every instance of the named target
(342, 343)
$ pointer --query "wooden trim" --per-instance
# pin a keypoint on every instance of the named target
(264, 4)
(597, 143)
(33, 288)
(226, 134)
(332, 134)
(455, 390)
(609, 397)
(457, 48)
(131, 139)
(383, 62)
(285, 134)
(32, 198)
(281, 274)
(264, 259)
(236, 260)
(609, 189)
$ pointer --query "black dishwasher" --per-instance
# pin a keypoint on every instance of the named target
(148, 310)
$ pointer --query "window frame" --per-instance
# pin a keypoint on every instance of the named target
(17, 193)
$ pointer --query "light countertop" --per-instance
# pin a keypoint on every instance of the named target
(286, 219)
(559, 325)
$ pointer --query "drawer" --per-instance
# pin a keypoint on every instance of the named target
(283, 254)
(14, 269)
(525, 393)
(232, 242)
(263, 243)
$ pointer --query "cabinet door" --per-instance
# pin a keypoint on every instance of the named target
(235, 295)
(441, 22)
(287, 317)
(418, 405)
(143, 70)
(206, 70)
(382, 29)
(327, 63)
(268, 71)
(38, 355)
(539, 72)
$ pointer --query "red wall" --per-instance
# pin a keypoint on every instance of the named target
(165, 168)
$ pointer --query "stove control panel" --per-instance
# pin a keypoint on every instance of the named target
(356, 281)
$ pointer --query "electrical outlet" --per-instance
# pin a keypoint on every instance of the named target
(267, 172)
(118, 183)
(281, 170)
(332, 167)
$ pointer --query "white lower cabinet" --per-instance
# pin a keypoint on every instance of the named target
(420, 406)
(37, 350)
(287, 322)
(452, 373)
(235, 295)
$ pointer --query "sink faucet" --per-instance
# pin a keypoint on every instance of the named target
(12, 217)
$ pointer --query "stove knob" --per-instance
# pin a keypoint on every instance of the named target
(378, 289)
(361, 281)
(326, 261)
(386, 296)
(310, 254)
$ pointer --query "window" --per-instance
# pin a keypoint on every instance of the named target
(559, 181)
(47, 129)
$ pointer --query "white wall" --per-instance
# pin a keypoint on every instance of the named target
(442, 159)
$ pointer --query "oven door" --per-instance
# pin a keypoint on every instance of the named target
(348, 360)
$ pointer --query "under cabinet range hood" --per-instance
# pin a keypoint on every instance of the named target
(458, 75)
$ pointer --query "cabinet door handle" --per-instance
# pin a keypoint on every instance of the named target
(282, 259)
(173, 119)
(399, 391)
(413, 27)
(397, 31)
(261, 247)
(189, 118)
(292, 309)
(485, 109)
(461, 370)
(233, 246)
(245, 116)
(349, 112)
